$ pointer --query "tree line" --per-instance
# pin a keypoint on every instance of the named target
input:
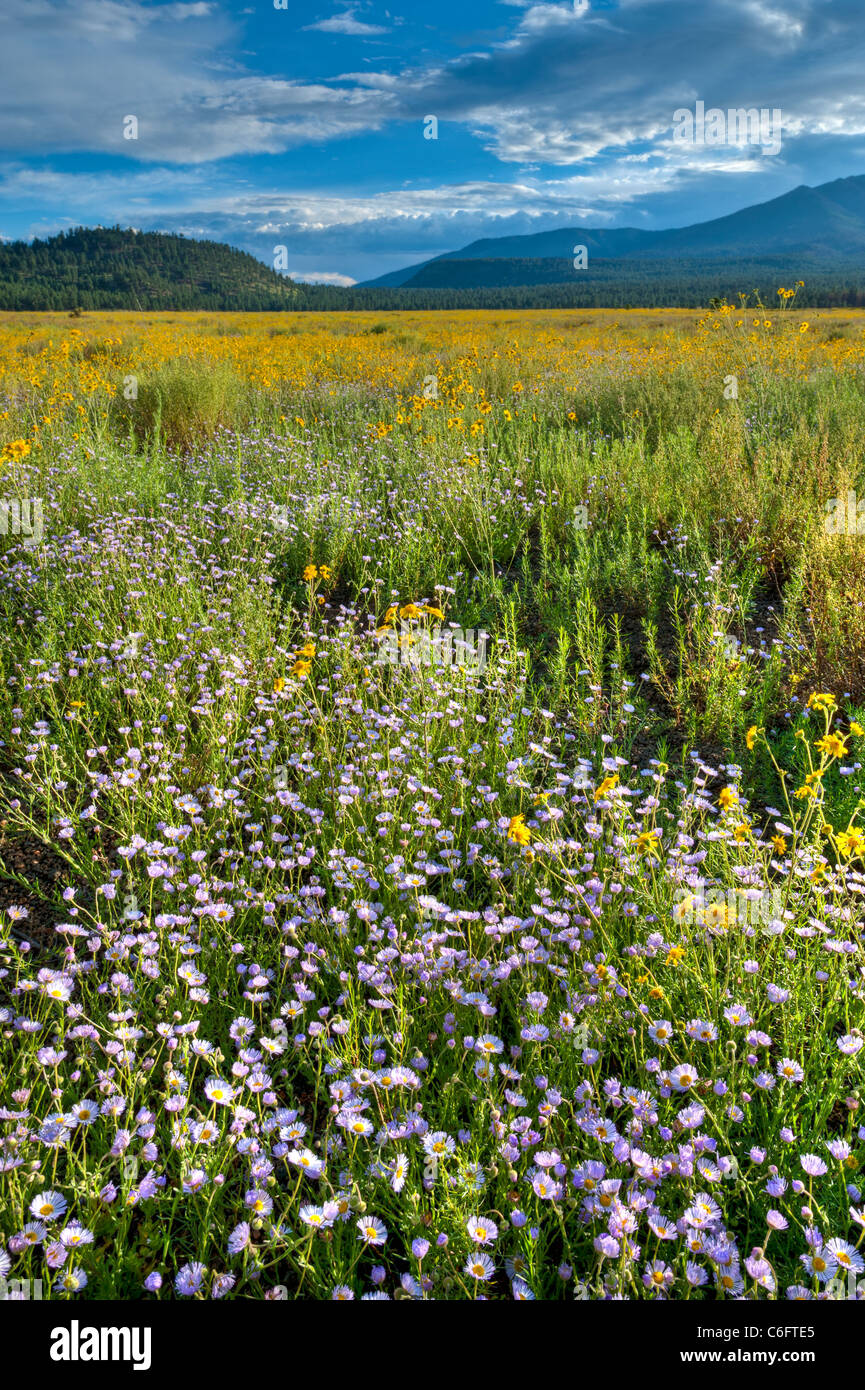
(116, 268)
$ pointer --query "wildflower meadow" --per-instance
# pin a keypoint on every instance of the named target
(431, 822)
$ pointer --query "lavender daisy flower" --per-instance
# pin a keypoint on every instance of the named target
(189, 1278)
(813, 1166)
(479, 1267)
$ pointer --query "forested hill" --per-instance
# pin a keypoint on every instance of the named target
(112, 268)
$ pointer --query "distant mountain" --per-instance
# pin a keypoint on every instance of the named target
(818, 224)
(614, 241)
(111, 268)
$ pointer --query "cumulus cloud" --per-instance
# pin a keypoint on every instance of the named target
(321, 277)
(160, 64)
(346, 24)
(567, 86)
(563, 87)
(426, 212)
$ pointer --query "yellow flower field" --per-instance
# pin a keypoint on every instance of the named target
(490, 367)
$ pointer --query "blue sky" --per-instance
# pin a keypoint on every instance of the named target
(304, 126)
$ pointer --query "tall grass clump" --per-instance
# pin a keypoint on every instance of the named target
(182, 403)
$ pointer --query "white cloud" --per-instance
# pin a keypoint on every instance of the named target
(564, 87)
(162, 65)
(442, 216)
(346, 24)
(321, 277)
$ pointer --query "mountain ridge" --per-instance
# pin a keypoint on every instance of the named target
(827, 219)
